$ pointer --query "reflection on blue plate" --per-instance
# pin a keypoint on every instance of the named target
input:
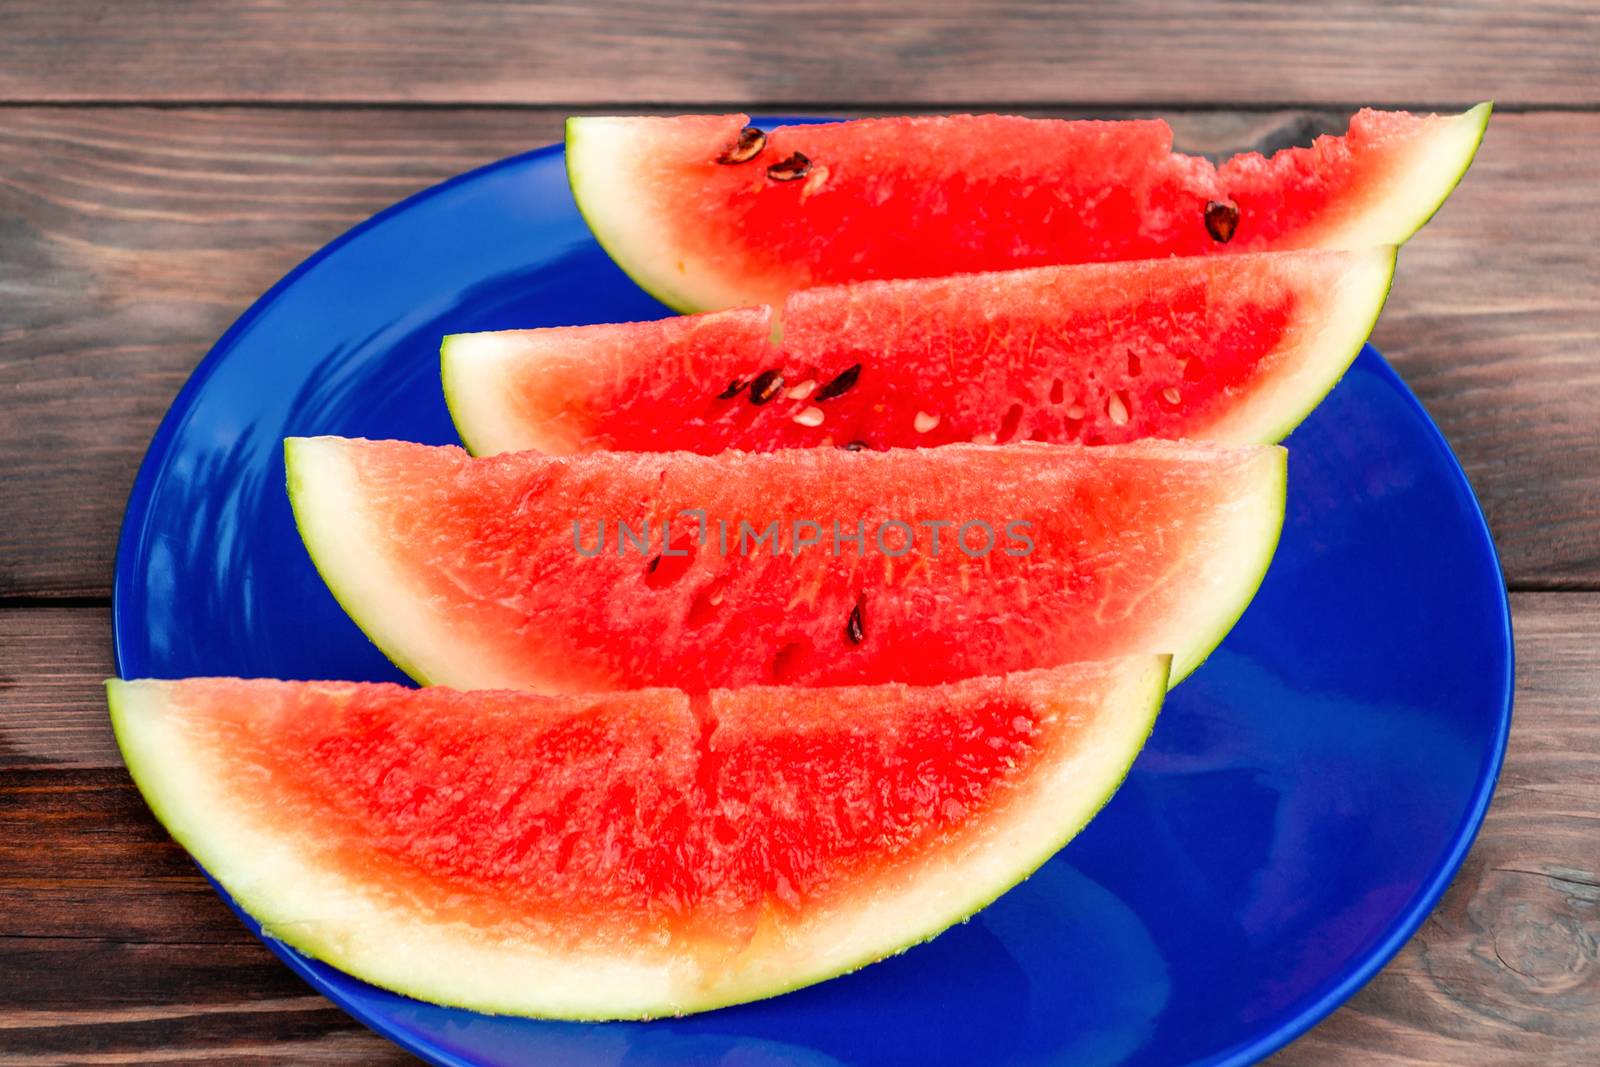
(1303, 802)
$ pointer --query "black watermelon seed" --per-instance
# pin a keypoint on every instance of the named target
(749, 145)
(654, 563)
(842, 383)
(787, 170)
(1222, 218)
(855, 627)
(854, 446)
(734, 388)
(765, 387)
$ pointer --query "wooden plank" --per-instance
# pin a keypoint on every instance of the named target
(52, 706)
(90, 885)
(1492, 322)
(862, 54)
(131, 238)
(1503, 973)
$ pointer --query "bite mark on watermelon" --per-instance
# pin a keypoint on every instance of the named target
(632, 855)
(467, 572)
(928, 196)
(1234, 349)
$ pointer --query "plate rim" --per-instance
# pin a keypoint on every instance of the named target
(1411, 918)
(1249, 1051)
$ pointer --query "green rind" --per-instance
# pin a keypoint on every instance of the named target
(155, 782)
(1289, 424)
(1257, 542)
(295, 485)
(597, 213)
(449, 380)
(1337, 366)
(591, 208)
(1147, 724)
(1267, 413)
(1226, 620)
(122, 729)
(1480, 113)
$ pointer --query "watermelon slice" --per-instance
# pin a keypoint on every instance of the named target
(705, 217)
(1232, 349)
(803, 567)
(628, 855)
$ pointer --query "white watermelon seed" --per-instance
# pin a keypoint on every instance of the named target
(1117, 408)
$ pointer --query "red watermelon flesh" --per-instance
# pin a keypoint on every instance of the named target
(629, 854)
(1234, 349)
(489, 573)
(934, 195)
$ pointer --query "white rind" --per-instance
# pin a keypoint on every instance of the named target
(1424, 182)
(957, 885)
(481, 370)
(1248, 533)
(602, 156)
(352, 559)
(328, 915)
(602, 162)
(1325, 345)
(1197, 611)
(474, 368)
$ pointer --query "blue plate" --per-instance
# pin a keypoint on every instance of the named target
(1303, 803)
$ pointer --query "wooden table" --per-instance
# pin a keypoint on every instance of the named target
(161, 163)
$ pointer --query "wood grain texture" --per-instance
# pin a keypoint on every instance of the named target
(114, 950)
(52, 661)
(131, 238)
(129, 241)
(1504, 973)
(866, 53)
